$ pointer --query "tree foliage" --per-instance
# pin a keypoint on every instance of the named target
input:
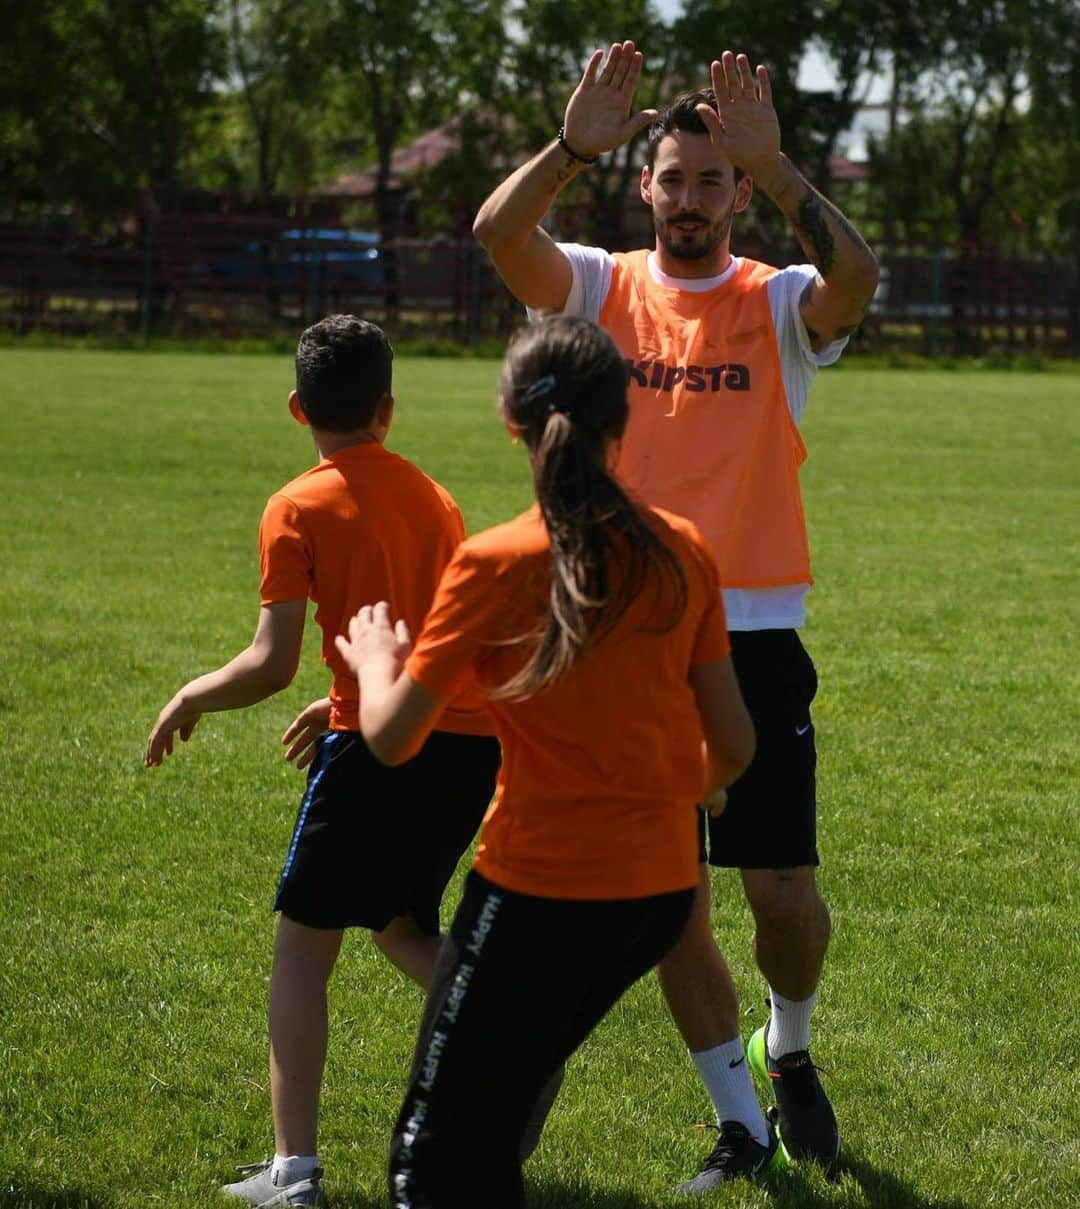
(100, 99)
(409, 67)
(978, 83)
(545, 63)
(277, 60)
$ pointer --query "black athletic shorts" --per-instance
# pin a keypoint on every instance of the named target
(372, 843)
(520, 982)
(770, 821)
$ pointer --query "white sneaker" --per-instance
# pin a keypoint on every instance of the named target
(260, 1190)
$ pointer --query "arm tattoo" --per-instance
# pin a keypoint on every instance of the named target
(564, 174)
(812, 228)
(811, 223)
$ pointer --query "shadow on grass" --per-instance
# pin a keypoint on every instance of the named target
(543, 1195)
(793, 1188)
(25, 1196)
(882, 1189)
(350, 1198)
(555, 1194)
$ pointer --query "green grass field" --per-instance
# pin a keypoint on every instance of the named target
(135, 923)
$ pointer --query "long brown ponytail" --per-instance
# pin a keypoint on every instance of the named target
(564, 389)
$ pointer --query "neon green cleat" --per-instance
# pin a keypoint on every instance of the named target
(805, 1118)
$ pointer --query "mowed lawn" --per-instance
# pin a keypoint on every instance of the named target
(135, 923)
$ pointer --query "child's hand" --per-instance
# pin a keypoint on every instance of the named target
(175, 717)
(304, 729)
(373, 638)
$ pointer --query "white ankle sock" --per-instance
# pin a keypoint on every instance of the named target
(789, 1024)
(726, 1075)
(288, 1169)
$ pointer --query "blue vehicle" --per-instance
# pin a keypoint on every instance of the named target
(340, 256)
(301, 258)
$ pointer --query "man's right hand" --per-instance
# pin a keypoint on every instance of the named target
(598, 114)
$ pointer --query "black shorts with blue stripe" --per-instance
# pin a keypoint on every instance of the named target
(372, 843)
(770, 821)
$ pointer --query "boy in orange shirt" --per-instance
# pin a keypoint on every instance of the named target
(596, 627)
(373, 847)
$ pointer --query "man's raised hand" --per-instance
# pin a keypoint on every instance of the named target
(598, 114)
(746, 129)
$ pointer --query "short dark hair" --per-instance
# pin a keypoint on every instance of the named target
(343, 367)
(681, 114)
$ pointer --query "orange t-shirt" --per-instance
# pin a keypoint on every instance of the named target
(361, 526)
(710, 434)
(602, 770)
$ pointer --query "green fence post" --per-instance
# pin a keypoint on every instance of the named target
(935, 302)
(148, 275)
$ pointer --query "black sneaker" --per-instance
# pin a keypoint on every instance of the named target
(806, 1121)
(736, 1156)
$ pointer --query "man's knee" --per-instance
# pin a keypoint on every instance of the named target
(785, 899)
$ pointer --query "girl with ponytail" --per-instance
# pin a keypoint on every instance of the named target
(595, 627)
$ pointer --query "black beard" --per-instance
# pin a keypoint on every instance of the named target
(710, 240)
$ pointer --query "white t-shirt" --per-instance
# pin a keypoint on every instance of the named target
(747, 608)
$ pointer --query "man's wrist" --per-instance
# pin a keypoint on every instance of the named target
(779, 180)
(572, 153)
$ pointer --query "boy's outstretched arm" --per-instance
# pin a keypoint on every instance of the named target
(597, 119)
(264, 668)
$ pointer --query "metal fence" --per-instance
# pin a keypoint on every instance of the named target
(201, 273)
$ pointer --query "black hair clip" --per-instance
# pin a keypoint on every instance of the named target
(545, 386)
(539, 388)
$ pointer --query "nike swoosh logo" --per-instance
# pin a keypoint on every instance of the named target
(737, 1062)
(801, 730)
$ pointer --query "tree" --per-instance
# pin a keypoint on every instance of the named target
(973, 160)
(971, 82)
(409, 67)
(102, 98)
(278, 57)
(553, 43)
(779, 34)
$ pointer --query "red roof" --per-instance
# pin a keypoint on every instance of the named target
(843, 169)
(422, 153)
(432, 147)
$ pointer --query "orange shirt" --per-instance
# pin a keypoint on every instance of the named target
(710, 434)
(361, 526)
(602, 770)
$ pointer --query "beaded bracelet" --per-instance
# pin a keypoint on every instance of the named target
(581, 159)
